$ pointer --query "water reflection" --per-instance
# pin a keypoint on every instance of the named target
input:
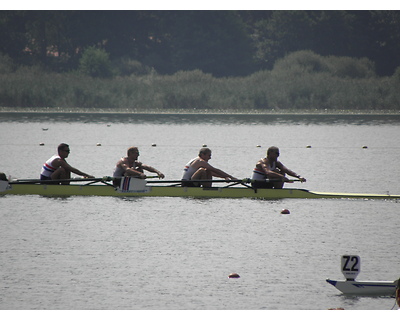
(216, 119)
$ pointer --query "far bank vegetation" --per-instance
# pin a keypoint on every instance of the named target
(301, 80)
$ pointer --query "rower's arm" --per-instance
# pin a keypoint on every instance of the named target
(270, 173)
(66, 166)
(132, 172)
(151, 169)
(291, 173)
(219, 173)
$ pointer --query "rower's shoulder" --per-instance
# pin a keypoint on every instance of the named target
(57, 159)
(262, 160)
(196, 160)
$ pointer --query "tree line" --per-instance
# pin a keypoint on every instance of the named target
(220, 43)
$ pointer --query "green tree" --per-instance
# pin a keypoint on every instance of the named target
(95, 62)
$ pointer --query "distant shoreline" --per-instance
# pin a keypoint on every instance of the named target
(201, 112)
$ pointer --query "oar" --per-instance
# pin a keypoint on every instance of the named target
(276, 180)
(179, 181)
(107, 178)
(245, 180)
(33, 181)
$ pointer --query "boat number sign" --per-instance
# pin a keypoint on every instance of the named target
(351, 266)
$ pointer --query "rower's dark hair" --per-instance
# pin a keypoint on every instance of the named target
(272, 149)
(204, 151)
(62, 146)
(132, 149)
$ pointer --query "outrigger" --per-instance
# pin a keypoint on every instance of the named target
(133, 187)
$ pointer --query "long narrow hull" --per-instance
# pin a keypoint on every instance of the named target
(364, 287)
(175, 191)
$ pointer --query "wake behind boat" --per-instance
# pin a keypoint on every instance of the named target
(132, 187)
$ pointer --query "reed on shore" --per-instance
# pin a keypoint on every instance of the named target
(301, 81)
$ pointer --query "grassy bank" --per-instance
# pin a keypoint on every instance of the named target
(301, 81)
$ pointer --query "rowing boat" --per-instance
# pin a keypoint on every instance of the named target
(141, 188)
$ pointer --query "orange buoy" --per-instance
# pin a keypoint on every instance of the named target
(285, 211)
(233, 275)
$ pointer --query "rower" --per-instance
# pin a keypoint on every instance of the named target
(269, 168)
(57, 168)
(129, 166)
(199, 169)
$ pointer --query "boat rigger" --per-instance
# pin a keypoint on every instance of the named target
(132, 187)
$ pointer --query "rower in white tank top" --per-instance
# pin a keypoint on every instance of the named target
(270, 168)
(188, 170)
(261, 175)
(47, 168)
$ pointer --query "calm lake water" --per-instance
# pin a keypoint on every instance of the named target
(86, 253)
